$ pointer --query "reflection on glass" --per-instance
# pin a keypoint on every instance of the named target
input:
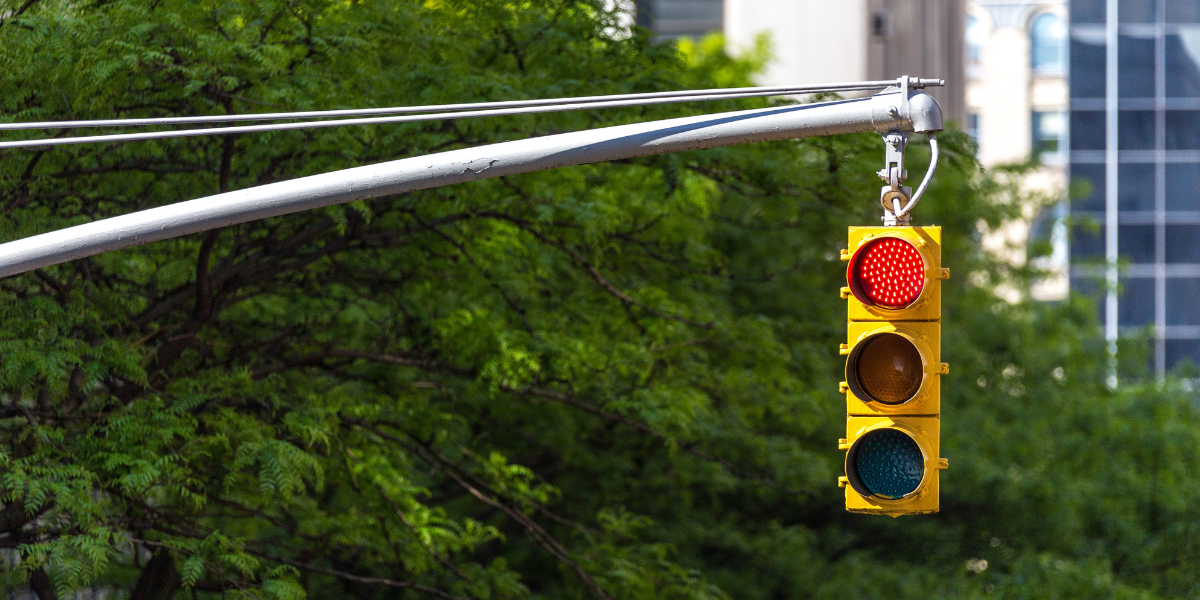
(1135, 130)
(1183, 63)
(1180, 11)
(1087, 240)
(975, 36)
(1048, 130)
(1136, 242)
(1183, 186)
(1135, 302)
(1087, 187)
(1135, 185)
(1047, 38)
(1087, 65)
(1135, 11)
(1087, 130)
(1088, 11)
(1183, 130)
(1183, 307)
(673, 18)
(1135, 65)
(1181, 351)
(1183, 243)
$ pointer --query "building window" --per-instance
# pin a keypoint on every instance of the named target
(678, 18)
(1088, 64)
(975, 37)
(1047, 37)
(1183, 187)
(1182, 308)
(880, 24)
(1157, 116)
(1183, 62)
(1048, 131)
(973, 125)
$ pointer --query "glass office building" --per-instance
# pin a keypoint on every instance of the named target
(1135, 141)
(675, 18)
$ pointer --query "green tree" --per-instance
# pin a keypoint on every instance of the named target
(610, 381)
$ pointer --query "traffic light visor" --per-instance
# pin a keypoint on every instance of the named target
(888, 272)
(886, 463)
(886, 368)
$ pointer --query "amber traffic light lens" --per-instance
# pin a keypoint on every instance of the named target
(888, 368)
(887, 463)
(887, 272)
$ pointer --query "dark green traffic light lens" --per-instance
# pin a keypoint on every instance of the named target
(888, 463)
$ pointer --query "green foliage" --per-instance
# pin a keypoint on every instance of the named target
(614, 381)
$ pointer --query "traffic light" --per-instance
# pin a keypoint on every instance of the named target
(893, 370)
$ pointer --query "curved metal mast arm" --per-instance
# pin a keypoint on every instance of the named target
(883, 112)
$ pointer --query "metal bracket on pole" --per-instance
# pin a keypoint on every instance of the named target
(894, 196)
(897, 199)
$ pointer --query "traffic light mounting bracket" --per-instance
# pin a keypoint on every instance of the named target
(897, 199)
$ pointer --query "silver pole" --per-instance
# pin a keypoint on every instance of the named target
(882, 112)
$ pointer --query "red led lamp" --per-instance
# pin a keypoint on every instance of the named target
(888, 272)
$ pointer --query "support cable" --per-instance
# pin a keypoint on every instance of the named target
(916, 197)
(395, 110)
(482, 109)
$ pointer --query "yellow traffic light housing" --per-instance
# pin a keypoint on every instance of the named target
(893, 370)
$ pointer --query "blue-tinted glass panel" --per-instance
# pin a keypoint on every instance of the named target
(1087, 242)
(1136, 243)
(1183, 301)
(1183, 186)
(1181, 11)
(685, 17)
(1087, 179)
(1047, 37)
(1135, 302)
(1042, 227)
(1183, 243)
(1135, 130)
(1088, 11)
(1183, 63)
(1183, 130)
(1180, 350)
(1087, 130)
(1135, 11)
(1135, 183)
(1135, 66)
(1087, 66)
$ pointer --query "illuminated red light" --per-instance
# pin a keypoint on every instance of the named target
(888, 272)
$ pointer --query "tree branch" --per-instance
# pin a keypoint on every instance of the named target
(689, 448)
(592, 270)
(452, 470)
